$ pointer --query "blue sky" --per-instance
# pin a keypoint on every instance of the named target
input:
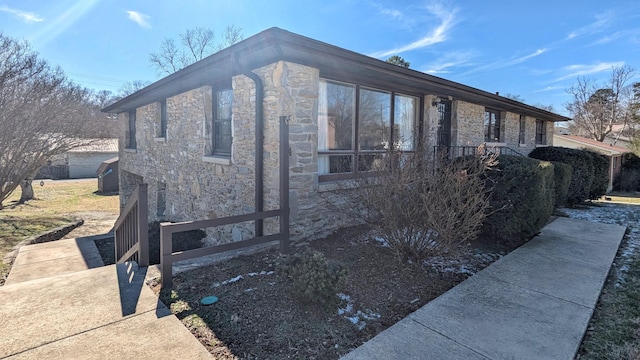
(534, 49)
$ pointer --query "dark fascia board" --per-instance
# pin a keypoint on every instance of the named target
(275, 44)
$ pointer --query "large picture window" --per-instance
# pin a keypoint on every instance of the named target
(222, 127)
(357, 125)
(491, 125)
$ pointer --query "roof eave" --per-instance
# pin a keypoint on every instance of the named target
(275, 44)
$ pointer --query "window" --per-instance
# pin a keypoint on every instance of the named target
(131, 143)
(222, 114)
(541, 132)
(357, 125)
(163, 119)
(491, 125)
(521, 134)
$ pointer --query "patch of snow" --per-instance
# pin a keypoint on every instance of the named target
(467, 263)
(358, 318)
(381, 241)
(240, 277)
(232, 280)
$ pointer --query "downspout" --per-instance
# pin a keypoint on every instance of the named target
(259, 149)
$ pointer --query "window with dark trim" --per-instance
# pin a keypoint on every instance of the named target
(357, 125)
(491, 125)
(163, 119)
(131, 141)
(541, 132)
(222, 127)
(522, 132)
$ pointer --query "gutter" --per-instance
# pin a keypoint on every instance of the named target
(259, 147)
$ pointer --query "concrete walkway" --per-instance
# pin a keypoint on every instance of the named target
(534, 303)
(57, 304)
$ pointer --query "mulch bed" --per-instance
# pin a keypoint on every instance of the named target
(257, 316)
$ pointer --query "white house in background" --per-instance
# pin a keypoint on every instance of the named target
(612, 152)
(83, 161)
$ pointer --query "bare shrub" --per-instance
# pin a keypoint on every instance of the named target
(421, 207)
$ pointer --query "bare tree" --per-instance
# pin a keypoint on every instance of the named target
(597, 108)
(42, 114)
(195, 44)
(515, 97)
(130, 87)
(549, 108)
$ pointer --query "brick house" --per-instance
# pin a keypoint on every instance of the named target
(193, 135)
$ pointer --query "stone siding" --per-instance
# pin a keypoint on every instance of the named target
(469, 124)
(203, 187)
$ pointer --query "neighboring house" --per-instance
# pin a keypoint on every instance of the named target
(613, 153)
(82, 161)
(192, 135)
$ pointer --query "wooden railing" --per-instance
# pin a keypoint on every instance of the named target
(131, 229)
(457, 151)
(168, 257)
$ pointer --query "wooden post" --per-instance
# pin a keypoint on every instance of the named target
(166, 249)
(143, 226)
(284, 184)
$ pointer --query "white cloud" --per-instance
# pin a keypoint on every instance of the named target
(450, 59)
(549, 88)
(523, 58)
(573, 71)
(447, 18)
(25, 16)
(139, 18)
(508, 62)
(394, 13)
(602, 20)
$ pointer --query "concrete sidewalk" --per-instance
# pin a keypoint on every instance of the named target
(57, 306)
(534, 303)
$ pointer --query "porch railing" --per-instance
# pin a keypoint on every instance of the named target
(168, 257)
(458, 151)
(131, 229)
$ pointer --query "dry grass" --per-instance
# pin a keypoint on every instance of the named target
(57, 203)
(615, 325)
(622, 197)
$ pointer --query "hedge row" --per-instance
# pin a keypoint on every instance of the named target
(562, 178)
(523, 197)
(589, 178)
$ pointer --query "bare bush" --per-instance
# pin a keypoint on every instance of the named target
(419, 207)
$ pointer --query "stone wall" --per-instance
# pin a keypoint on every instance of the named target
(469, 123)
(198, 186)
